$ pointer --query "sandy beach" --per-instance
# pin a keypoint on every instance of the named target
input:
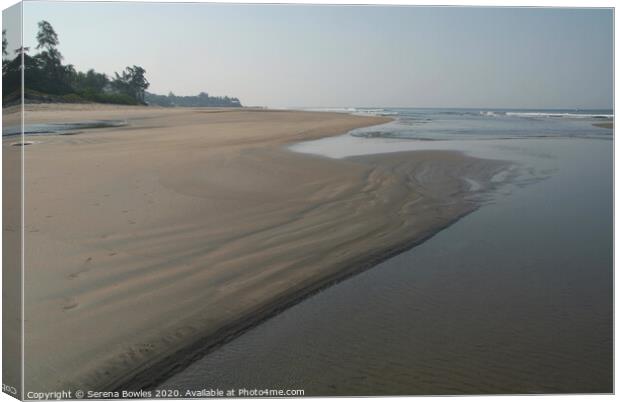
(149, 244)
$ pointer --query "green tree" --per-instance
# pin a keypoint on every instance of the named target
(5, 43)
(47, 78)
(55, 77)
(132, 81)
(47, 38)
(89, 83)
(21, 50)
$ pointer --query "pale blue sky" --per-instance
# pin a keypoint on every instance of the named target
(304, 55)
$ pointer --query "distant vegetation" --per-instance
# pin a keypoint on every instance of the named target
(202, 99)
(47, 79)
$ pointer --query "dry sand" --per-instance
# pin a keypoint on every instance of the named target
(151, 243)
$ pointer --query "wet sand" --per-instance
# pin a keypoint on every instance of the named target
(604, 125)
(149, 244)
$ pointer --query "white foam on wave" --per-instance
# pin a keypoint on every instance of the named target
(489, 113)
(561, 114)
(352, 110)
(330, 109)
(374, 112)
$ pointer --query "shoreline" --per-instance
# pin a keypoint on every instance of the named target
(153, 231)
(153, 376)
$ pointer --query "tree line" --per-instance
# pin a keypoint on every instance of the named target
(47, 79)
(201, 100)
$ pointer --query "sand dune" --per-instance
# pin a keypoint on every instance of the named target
(150, 243)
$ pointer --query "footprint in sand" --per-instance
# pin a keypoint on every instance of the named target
(146, 348)
(85, 269)
(70, 304)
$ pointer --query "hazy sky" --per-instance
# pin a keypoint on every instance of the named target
(300, 55)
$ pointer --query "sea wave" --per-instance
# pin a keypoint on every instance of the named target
(415, 136)
(354, 110)
(330, 109)
(375, 112)
(561, 115)
(406, 113)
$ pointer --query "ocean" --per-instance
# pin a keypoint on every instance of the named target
(480, 124)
